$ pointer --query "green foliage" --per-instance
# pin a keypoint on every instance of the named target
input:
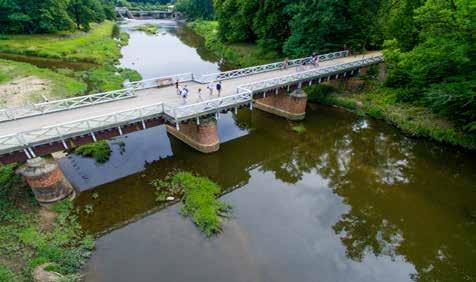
(195, 9)
(27, 244)
(31, 16)
(107, 78)
(61, 86)
(99, 151)
(12, 192)
(148, 28)
(438, 69)
(382, 103)
(96, 46)
(199, 199)
(242, 54)
(6, 275)
(300, 128)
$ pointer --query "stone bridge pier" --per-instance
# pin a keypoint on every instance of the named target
(284, 103)
(201, 135)
(46, 180)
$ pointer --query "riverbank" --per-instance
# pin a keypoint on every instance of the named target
(96, 52)
(241, 54)
(22, 83)
(373, 99)
(36, 241)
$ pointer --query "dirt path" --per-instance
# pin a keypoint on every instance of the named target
(23, 91)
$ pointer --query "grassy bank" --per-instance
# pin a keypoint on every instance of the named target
(101, 46)
(380, 102)
(32, 236)
(96, 46)
(241, 54)
(51, 84)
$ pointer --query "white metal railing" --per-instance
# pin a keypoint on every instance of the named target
(265, 68)
(180, 113)
(64, 104)
(310, 74)
(159, 81)
(63, 131)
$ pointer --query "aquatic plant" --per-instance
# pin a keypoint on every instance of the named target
(100, 151)
(199, 200)
(148, 28)
(300, 129)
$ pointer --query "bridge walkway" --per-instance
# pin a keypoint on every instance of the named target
(152, 96)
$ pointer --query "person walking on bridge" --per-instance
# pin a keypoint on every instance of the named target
(177, 87)
(200, 94)
(286, 63)
(219, 88)
(184, 94)
(210, 88)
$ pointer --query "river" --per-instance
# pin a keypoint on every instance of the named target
(350, 199)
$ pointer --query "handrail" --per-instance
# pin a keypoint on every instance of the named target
(159, 81)
(314, 73)
(268, 67)
(64, 104)
(59, 132)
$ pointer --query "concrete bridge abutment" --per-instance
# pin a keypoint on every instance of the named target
(291, 106)
(46, 180)
(202, 136)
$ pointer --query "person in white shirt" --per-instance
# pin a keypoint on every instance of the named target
(210, 88)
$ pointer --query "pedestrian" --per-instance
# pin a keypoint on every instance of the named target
(219, 88)
(210, 88)
(286, 63)
(364, 51)
(177, 87)
(183, 94)
(200, 94)
(314, 58)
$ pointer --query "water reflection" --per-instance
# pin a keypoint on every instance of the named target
(349, 200)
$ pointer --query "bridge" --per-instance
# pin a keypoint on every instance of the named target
(29, 132)
(40, 129)
(123, 12)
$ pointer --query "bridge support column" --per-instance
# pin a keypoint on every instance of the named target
(46, 180)
(203, 136)
(291, 106)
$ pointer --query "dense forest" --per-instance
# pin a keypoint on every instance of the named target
(45, 16)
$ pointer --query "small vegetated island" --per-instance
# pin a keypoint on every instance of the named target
(198, 199)
(148, 28)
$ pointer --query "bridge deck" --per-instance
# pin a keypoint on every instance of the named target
(153, 96)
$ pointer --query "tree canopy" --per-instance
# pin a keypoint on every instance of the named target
(46, 16)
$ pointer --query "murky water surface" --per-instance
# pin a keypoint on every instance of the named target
(351, 199)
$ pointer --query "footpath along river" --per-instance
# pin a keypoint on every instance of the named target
(350, 199)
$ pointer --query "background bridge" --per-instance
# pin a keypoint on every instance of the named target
(40, 129)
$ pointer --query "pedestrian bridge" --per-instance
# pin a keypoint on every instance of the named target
(40, 129)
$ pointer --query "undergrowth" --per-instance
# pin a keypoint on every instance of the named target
(199, 199)
(26, 242)
(99, 151)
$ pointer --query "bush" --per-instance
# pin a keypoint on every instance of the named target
(100, 151)
(199, 199)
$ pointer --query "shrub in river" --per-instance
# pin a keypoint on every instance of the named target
(300, 129)
(100, 151)
(199, 199)
(148, 28)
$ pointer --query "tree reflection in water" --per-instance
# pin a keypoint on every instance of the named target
(397, 191)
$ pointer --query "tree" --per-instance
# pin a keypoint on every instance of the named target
(195, 9)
